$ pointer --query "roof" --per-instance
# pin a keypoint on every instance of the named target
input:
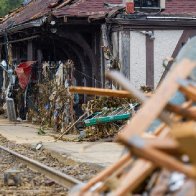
(35, 9)
(38, 8)
(180, 7)
(84, 8)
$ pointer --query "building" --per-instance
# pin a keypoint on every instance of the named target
(155, 31)
(53, 30)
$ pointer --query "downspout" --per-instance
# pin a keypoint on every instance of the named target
(5, 39)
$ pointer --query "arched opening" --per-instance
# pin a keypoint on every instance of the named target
(62, 48)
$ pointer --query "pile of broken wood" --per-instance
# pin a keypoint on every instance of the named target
(162, 162)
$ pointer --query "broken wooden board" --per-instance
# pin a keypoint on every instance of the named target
(185, 134)
(189, 91)
(106, 173)
(140, 148)
(186, 113)
(100, 92)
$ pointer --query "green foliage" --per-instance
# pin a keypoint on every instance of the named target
(7, 5)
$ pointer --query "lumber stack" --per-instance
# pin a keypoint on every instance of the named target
(162, 162)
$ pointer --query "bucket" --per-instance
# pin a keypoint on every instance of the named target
(129, 7)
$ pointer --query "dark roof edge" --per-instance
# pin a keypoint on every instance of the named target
(34, 23)
(158, 23)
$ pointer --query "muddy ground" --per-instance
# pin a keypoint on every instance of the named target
(33, 183)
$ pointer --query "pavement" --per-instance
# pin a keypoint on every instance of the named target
(102, 154)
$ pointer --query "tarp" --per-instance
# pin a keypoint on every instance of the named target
(23, 72)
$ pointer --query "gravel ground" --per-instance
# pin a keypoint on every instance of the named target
(33, 183)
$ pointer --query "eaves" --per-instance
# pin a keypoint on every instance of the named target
(35, 23)
(145, 23)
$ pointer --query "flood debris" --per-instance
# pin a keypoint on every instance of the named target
(106, 118)
(53, 107)
(161, 162)
(47, 102)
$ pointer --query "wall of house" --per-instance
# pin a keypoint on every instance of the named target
(141, 55)
(164, 46)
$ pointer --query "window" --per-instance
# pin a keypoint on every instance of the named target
(147, 3)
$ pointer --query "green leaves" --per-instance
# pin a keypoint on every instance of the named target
(7, 5)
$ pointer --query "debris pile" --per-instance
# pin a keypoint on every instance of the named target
(106, 107)
(50, 104)
(51, 108)
(161, 162)
(96, 105)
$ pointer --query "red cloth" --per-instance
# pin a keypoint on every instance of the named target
(23, 72)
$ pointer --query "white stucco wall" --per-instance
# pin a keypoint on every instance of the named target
(164, 45)
(137, 59)
(115, 42)
(137, 56)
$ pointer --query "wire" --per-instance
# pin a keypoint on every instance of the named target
(89, 76)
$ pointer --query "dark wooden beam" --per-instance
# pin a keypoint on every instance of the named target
(149, 61)
(125, 53)
(30, 50)
(183, 39)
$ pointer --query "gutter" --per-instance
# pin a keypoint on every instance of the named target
(171, 17)
(152, 22)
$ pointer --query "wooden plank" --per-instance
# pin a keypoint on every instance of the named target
(106, 173)
(185, 134)
(166, 145)
(142, 168)
(134, 177)
(159, 158)
(162, 131)
(100, 92)
(189, 91)
(186, 113)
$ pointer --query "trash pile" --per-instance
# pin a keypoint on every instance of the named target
(101, 110)
(161, 162)
(52, 107)
(50, 103)
(96, 105)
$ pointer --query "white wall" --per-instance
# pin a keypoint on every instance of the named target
(137, 59)
(164, 45)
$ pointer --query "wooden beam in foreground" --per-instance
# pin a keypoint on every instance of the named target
(189, 91)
